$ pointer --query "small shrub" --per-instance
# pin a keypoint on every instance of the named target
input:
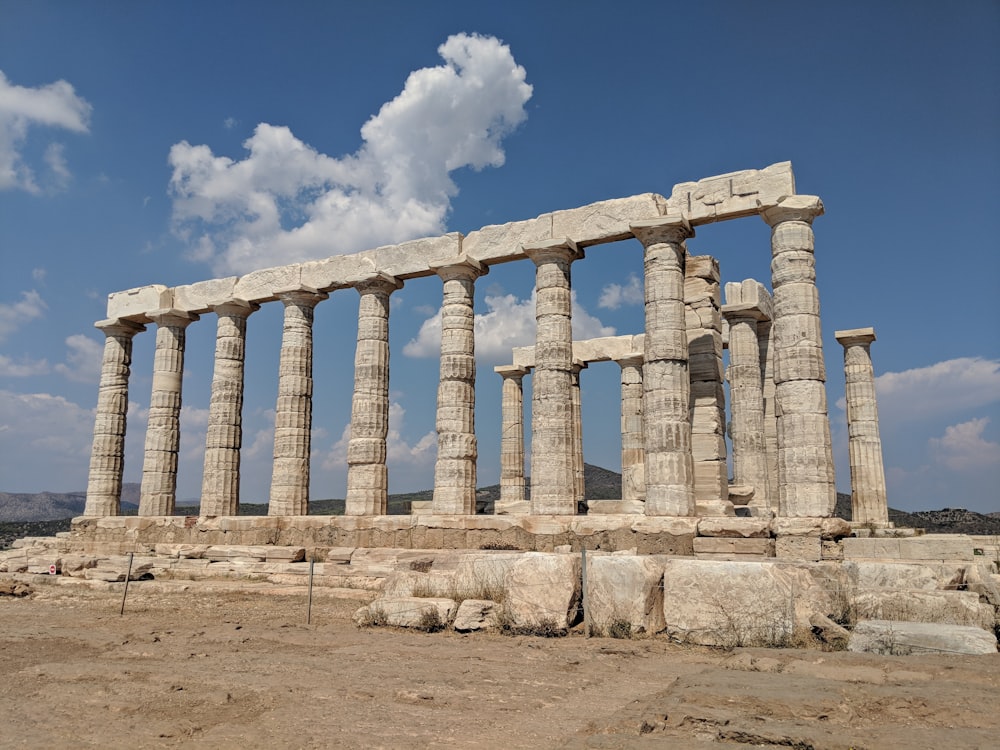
(421, 566)
(430, 621)
(374, 618)
(499, 546)
(618, 628)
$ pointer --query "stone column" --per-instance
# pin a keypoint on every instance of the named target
(220, 483)
(163, 431)
(513, 498)
(768, 389)
(107, 456)
(367, 474)
(702, 302)
(579, 484)
(633, 454)
(553, 476)
(747, 398)
(293, 413)
(455, 468)
(666, 384)
(805, 456)
(868, 496)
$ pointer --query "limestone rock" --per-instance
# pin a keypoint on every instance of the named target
(625, 595)
(903, 638)
(917, 605)
(475, 614)
(829, 632)
(408, 612)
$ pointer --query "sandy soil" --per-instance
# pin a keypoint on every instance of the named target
(208, 667)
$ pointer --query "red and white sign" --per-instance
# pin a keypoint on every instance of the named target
(52, 570)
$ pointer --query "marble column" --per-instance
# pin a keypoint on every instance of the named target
(220, 483)
(367, 474)
(747, 400)
(768, 390)
(158, 493)
(805, 456)
(107, 455)
(553, 476)
(633, 453)
(513, 497)
(868, 495)
(293, 413)
(455, 468)
(579, 484)
(666, 383)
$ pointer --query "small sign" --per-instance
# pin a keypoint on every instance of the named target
(52, 570)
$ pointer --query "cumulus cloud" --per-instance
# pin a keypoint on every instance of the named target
(421, 452)
(963, 447)
(83, 359)
(25, 367)
(14, 314)
(509, 322)
(287, 202)
(614, 296)
(55, 105)
(938, 389)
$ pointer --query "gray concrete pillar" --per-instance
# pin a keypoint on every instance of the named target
(367, 473)
(293, 413)
(220, 483)
(107, 455)
(666, 382)
(158, 493)
(869, 502)
(513, 495)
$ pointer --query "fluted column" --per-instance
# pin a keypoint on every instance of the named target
(367, 474)
(805, 456)
(768, 389)
(220, 483)
(455, 468)
(293, 413)
(158, 493)
(747, 399)
(553, 477)
(868, 495)
(107, 455)
(513, 494)
(633, 453)
(666, 384)
(579, 484)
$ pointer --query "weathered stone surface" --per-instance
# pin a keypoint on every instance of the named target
(732, 195)
(116, 569)
(826, 528)
(475, 614)
(732, 547)
(921, 605)
(625, 593)
(734, 527)
(136, 304)
(939, 547)
(798, 547)
(829, 632)
(407, 612)
(903, 638)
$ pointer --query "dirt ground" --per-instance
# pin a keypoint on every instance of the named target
(208, 667)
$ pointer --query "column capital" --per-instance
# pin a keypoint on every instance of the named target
(119, 327)
(462, 267)
(379, 282)
(556, 249)
(170, 316)
(510, 371)
(793, 208)
(300, 295)
(855, 336)
(744, 310)
(238, 307)
(672, 229)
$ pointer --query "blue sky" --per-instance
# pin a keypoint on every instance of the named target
(171, 142)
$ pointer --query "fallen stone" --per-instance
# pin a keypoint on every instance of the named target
(905, 638)
(407, 612)
(919, 605)
(829, 632)
(475, 614)
(625, 595)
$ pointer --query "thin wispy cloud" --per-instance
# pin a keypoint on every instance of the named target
(939, 389)
(15, 314)
(614, 295)
(287, 202)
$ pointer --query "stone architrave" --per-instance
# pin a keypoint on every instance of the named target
(633, 453)
(367, 474)
(666, 383)
(107, 456)
(158, 492)
(579, 484)
(220, 483)
(702, 302)
(293, 413)
(805, 455)
(747, 399)
(869, 502)
(455, 468)
(512, 485)
(553, 477)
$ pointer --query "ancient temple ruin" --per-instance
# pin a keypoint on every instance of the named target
(675, 478)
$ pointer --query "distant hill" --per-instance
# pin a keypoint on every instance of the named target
(51, 506)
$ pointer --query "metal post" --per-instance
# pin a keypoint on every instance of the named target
(128, 575)
(309, 609)
(586, 599)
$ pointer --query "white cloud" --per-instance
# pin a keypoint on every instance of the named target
(287, 202)
(83, 359)
(38, 274)
(962, 447)
(939, 389)
(25, 367)
(509, 323)
(54, 105)
(421, 452)
(614, 296)
(13, 315)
